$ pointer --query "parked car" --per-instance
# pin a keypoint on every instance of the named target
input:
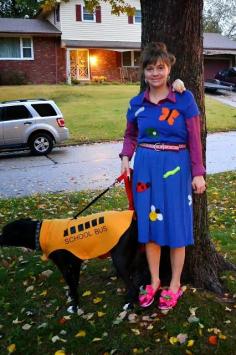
(227, 76)
(34, 124)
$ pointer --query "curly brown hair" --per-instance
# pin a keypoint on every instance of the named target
(155, 51)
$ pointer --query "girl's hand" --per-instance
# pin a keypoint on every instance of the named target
(125, 166)
(178, 85)
(198, 184)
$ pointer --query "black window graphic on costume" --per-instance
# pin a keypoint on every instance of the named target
(87, 225)
(101, 220)
(82, 226)
(73, 230)
(94, 222)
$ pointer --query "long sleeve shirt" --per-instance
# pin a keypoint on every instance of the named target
(187, 132)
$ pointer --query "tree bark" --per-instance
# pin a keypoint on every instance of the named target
(178, 23)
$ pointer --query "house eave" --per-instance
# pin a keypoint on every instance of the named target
(34, 34)
(112, 45)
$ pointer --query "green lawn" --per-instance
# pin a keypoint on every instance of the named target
(97, 112)
(33, 311)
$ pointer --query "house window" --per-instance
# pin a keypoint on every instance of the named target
(130, 58)
(137, 16)
(16, 48)
(57, 13)
(88, 16)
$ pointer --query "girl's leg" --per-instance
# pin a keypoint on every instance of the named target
(177, 256)
(153, 252)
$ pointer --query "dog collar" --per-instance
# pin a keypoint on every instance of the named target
(37, 232)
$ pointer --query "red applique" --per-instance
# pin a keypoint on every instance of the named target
(169, 115)
(142, 186)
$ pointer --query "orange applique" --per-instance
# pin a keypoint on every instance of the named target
(169, 115)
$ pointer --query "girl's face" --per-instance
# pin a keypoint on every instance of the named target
(156, 75)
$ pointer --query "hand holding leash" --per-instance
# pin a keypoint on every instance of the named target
(125, 168)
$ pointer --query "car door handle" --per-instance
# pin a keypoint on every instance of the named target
(28, 122)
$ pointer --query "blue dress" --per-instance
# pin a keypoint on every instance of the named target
(162, 179)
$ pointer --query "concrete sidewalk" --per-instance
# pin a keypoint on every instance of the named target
(95, 166)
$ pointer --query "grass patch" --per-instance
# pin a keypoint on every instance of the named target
(27, 298)
(220, 117)
(97, 112)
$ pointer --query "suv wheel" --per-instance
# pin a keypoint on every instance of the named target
(41, 144)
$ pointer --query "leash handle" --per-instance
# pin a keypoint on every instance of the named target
(117, 181)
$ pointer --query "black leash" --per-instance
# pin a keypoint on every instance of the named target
(118, 180)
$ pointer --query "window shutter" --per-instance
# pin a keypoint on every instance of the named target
(78, 12)
(130, 19)
(98, 14)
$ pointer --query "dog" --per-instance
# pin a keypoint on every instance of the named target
(123, 250)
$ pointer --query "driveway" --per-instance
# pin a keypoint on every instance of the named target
(226, 97)
(75, 168)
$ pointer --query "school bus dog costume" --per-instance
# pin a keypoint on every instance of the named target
(67, 242)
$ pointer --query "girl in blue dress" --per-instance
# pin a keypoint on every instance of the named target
(163, 127)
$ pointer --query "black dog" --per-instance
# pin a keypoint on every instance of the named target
(21, 233)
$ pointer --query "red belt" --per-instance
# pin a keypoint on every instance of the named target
(163, 146)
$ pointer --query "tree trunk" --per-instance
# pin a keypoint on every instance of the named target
(178, 23)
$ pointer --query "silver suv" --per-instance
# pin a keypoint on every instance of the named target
(34, 124)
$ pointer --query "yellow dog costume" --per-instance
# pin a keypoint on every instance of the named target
(86, 237)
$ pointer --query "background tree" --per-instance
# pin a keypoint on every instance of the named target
(219, 16)
(19, 8)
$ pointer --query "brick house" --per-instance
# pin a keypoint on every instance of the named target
(31, 47)
(70, 44)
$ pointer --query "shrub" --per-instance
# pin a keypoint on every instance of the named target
(99, 79)
(13, 78)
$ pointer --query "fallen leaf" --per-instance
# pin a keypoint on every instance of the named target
(173, 340)
(26, 326)
(62, 320)
(190, 343)
(182, 338)
(132, 317)
(96, 339)
(81, 333)
(97, 300)
(11, 348)
(135, 331)
(193, 319)
(228, 309)
(30, 288)
(227, 321)
(192, 310)
(44, 293)
(101, 314)
(88, 316)
(60, 352)
(222, 336)
(43, 325)
(17, 321)
(213, 340)
(86, 293)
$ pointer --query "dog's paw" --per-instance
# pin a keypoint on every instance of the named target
(128, 306)
(75, 310)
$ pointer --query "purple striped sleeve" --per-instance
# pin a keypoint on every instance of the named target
(195, 146)
(130, 140)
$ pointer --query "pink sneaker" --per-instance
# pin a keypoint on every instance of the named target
(169, 299)
(146, 297)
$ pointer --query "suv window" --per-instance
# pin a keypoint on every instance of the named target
(44, 110)
(15, 113)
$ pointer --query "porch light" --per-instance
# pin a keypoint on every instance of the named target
(93, 60)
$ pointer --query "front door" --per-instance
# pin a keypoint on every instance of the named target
(79, 62)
